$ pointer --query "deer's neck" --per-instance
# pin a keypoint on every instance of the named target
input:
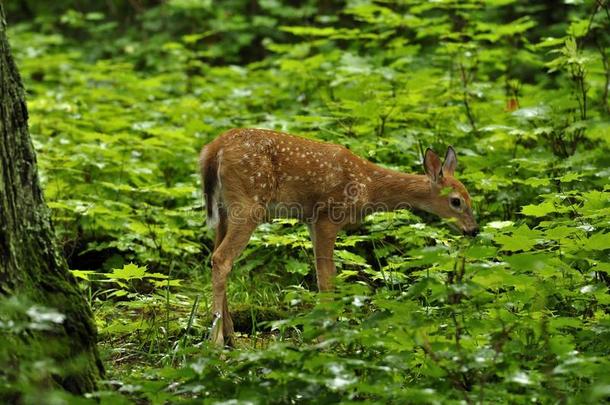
(392, 190)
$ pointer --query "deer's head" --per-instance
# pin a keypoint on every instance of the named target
(449, 198)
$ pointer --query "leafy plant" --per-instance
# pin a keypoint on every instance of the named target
(123, 94)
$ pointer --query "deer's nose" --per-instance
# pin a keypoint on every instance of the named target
(472, 232)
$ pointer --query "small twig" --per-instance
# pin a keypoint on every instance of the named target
(465, 101)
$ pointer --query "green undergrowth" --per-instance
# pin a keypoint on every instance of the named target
(519, 314)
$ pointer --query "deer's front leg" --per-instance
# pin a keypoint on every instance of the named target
(323, 236)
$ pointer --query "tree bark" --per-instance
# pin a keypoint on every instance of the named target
(32, 270)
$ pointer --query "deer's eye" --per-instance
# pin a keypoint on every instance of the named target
(455, 202)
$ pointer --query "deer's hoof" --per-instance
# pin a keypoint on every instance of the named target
(216, 335)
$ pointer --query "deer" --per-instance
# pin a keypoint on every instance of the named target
(251, 176)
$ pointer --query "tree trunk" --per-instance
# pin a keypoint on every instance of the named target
(32, 270)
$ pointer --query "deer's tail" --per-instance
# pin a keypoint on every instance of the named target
(209, 162)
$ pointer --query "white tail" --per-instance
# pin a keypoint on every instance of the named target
(252, 175)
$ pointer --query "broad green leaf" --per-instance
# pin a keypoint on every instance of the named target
(128, 272)
(539, 210)
(598, 241)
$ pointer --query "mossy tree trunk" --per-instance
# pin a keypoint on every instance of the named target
(32, 269)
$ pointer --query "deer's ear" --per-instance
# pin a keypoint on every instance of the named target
(433, 166)
(450, 162)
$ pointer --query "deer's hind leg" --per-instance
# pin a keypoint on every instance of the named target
(235, 239)
(227, 322)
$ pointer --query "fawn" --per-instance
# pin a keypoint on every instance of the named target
(252, 175)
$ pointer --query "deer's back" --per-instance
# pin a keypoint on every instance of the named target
(279, 170)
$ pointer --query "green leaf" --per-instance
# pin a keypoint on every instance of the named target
(598, 241)
(521, 238)
(128, 272)
(83, 274)
(499, 224)
(569, 177)
(539, 210)
(297, 267)
(351, 258)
